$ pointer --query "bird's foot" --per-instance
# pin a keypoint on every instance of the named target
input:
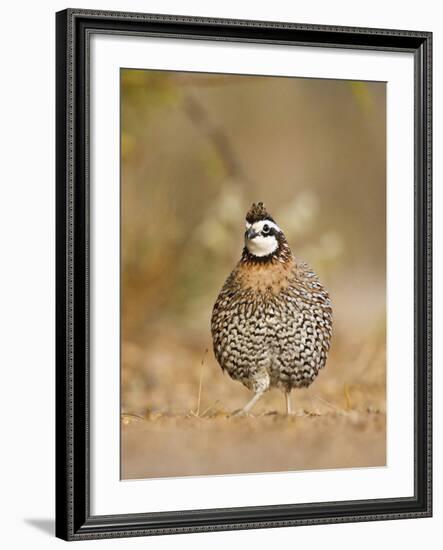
(246, 409)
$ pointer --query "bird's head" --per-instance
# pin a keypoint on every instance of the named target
(264, 240)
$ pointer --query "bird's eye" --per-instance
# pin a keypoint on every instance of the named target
(265, 228)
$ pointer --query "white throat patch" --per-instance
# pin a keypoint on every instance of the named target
(262, 245)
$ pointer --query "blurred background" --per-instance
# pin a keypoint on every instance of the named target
(197, 150)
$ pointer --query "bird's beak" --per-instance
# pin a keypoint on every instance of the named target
(250, 234)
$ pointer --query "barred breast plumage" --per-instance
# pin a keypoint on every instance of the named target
(272, 321)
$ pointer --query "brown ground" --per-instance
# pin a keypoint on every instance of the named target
(176, 446)
(177, 421)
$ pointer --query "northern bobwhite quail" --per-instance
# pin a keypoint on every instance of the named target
(272, 321)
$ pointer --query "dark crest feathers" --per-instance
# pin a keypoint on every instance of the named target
(258, 212)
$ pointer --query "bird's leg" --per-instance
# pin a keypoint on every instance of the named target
(249, 405)
(288, 402)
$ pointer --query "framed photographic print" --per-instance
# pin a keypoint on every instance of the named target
(243, 274)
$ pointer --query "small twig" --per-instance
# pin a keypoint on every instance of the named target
(200, 385)
(347, 397)
(127, 418)
(327, 403)
(211, 407)
(132, 415)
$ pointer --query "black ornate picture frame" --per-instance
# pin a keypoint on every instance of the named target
(74, 520)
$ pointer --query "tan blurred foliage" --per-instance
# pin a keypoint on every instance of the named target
(197, 149)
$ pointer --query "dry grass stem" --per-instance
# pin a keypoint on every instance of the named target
(327, 403)
(200, 384)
